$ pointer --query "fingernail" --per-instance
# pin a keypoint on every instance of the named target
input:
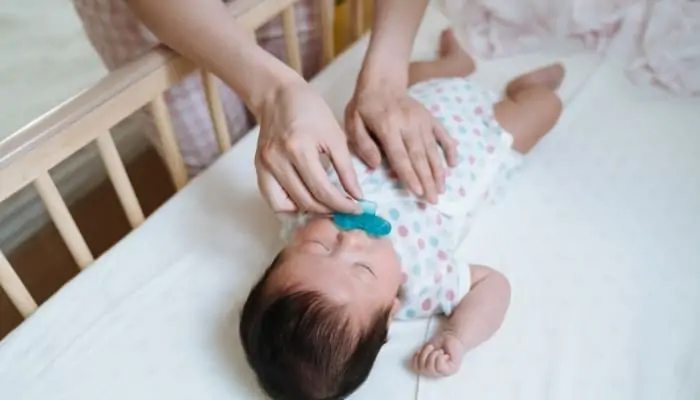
(357, 209)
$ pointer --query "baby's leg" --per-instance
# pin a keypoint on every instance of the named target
(475, 319)
(452, 61)
(531, 107)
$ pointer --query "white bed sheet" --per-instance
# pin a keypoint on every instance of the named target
(600, 238)
(597, 237)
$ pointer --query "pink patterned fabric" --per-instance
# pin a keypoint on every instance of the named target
(658, 40)
(119, 37)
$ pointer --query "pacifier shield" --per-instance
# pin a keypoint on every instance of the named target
(372, 224)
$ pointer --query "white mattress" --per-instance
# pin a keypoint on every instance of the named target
(599, 237)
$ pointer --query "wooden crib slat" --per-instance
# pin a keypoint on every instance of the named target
(216, 110)
(171, 149)
(356, 18)
(327, 10)
(64, 221)
(291, 40)
(120, 179)
(15, 289)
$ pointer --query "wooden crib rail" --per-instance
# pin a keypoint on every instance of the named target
(108, 102)
(27, 156)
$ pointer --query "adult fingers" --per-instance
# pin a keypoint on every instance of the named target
(342, 163)
(289, 180)
(275, 196)
(400, 161)
(435, 161)
(365, 147)
(448, 144)
(315, 178)
(417, 154)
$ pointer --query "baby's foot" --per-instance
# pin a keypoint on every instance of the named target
(550, 76)
(449, 48)
(441, 356)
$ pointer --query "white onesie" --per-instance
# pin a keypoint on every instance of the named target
(427, 236)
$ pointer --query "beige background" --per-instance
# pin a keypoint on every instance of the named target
(44, 59)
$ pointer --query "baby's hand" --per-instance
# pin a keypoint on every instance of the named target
(439, 357)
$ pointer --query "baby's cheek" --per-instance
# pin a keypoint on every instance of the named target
(316, 228)
(318, 225)
(390, 259)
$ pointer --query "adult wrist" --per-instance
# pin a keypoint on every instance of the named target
(267, 96)
(264, 84)
(384, 72)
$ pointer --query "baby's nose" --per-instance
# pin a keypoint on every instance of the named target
(353, 239)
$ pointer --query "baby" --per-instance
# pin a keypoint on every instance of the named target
(313, 325)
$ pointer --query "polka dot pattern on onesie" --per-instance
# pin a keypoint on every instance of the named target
(426, 236)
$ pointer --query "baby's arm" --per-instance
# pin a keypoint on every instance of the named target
(475, 319)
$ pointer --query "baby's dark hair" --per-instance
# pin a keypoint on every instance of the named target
(302, 347)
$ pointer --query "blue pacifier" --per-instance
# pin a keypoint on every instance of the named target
(368, 221)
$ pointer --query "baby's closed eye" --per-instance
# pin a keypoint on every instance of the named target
(365, 267)
(316, 246)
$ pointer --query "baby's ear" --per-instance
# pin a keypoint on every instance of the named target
(394, 309)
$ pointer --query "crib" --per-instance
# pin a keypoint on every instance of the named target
(599, 238)
(28, 155)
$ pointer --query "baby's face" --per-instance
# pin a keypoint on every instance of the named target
(350, 267)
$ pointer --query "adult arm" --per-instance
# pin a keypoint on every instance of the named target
(394, 30)
(407, 133)
(290, 174)
(204, 31)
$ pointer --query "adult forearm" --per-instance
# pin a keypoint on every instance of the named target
(394, 30)
(205, 32)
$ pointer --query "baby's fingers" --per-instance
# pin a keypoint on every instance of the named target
(444, 366)
(424, 356)
(433, 361)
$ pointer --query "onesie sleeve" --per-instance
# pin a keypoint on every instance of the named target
(457, 283)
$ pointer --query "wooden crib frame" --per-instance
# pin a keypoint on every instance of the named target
(27, 156)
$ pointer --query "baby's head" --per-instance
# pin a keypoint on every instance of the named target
(313, 325)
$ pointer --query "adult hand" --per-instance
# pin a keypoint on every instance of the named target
(408, 134)
(296, 129)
